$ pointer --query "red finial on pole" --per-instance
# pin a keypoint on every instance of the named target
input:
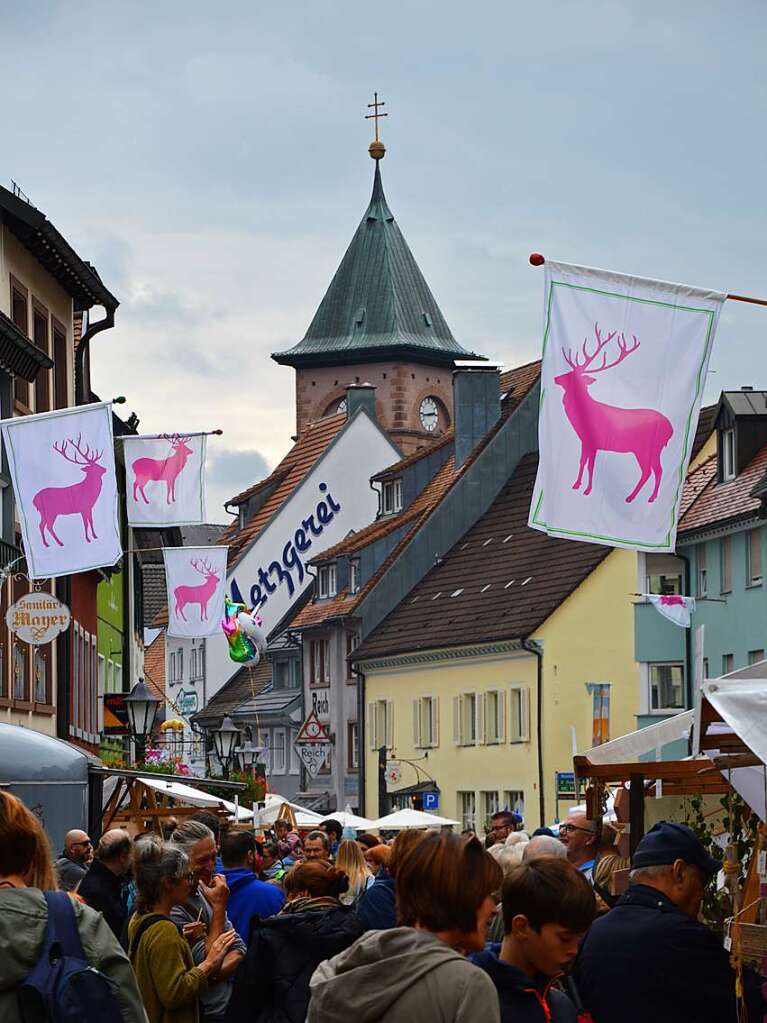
(536, 259)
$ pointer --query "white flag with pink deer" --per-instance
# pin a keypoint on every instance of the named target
(196, 582)
(62, 467)
(624, 368)
(165, 479)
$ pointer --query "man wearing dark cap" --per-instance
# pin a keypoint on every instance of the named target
(650, 958)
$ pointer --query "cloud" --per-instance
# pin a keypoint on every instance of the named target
(225, 474)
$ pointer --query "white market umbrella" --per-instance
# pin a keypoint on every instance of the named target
(409, 818)
(347, 819)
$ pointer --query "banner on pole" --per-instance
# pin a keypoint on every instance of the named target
(195, 579)
(165, 479)
(624, 367)
(673, 606)
(62, 468)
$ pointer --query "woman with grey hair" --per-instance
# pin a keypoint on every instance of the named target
(202, 914)
(168, 979)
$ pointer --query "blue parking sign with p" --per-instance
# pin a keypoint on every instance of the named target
(431, 800)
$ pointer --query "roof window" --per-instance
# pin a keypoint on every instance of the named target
(391, 497)
(326, 581)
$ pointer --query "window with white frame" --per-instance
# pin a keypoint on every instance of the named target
(467, 810)
(352, 642)
(381, 724)
(754, 557)
(467, 719)
(489, 804)
(326, 581)
(426, 722)
(279, 759)
(728, 454)
(495, 716)
(172, 668)
(319, 666)
(700, 554)
(514, 799)
(667, 687)
(391, 497)
(519, 714)
(352, 746)
(354, 575)
(180, 664)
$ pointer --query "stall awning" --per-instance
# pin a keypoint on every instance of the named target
(644, 741)
(195, 797)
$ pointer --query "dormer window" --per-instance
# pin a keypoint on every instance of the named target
(391, 497)
(326, 581)
(354, 575)
(728, 455)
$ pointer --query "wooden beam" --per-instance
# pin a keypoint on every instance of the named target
(666, 770)
(636, 810)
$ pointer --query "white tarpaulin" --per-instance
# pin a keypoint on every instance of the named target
(271, 811)
(62, 467)
(194, 797)
(624, 366)
(196, 581)
(742, 704)
(165, 479)
(408, 818)
(632, 746)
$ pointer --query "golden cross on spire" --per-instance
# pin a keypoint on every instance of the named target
(376, 149)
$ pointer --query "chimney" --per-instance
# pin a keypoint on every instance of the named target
(476, 404)
(361, 396)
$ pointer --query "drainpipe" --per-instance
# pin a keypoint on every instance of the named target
(362, 798)
(534, 649)
(688, 679)
(108, 321)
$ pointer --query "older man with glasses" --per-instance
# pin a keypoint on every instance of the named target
(72, 865)
(580, 838)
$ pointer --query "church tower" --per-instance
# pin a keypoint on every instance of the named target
(379, 324)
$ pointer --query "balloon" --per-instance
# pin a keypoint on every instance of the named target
(244, 633)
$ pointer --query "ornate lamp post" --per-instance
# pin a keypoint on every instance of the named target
(142, 707)
(225, 739)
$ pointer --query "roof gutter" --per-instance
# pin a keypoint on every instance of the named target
(533, 648)
(108, 321)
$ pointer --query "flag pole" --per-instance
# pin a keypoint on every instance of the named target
(165, 436)
(536, 259)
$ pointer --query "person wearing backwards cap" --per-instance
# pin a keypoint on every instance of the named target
(650, 959)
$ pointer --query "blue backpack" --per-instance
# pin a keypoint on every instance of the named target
(63, 987)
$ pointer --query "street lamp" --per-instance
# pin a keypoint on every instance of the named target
(225, 738)
(142, 708)
(248, 754)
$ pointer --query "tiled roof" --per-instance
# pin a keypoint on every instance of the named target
(697, 481)
(378, 302)
(518, 384)
(397, 468)
(247, 683)
(270, 480)
(500, 581)
(298, 462)
(722, 502)
(154, 665)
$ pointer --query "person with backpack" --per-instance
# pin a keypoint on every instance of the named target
(59, 960)
(349, 858)
(169, 981)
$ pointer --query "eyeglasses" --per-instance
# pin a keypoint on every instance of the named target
(86, 842)
(567, 828)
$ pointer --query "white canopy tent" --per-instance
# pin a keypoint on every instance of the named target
(407, 818)
(271, 811)
(195, 797)
(347, 819)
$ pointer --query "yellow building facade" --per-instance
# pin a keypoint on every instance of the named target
(467, 718)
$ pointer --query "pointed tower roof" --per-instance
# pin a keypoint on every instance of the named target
(378, 305)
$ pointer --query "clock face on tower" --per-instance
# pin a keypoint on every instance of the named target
(429, 414)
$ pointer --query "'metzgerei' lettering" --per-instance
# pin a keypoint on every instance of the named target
(289, 570)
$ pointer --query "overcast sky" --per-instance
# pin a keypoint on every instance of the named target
(211, 161)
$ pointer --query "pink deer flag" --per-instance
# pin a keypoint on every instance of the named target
(641, 432)
(74, 499)
(162, 470)
(200, 593)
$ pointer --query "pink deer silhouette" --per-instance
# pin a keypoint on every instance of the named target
(77, 498)
(165, 470)
(199, 594)
(641, 431)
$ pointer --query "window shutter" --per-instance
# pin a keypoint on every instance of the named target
(434, 711)
(389, 724)
(416, 723)
(501, 716)
(372, 737)
(524, 723)
(479, 703)
(457, 711)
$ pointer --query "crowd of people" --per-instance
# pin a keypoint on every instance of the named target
(195, 925)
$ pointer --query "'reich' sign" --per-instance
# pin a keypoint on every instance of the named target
(37, 618)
